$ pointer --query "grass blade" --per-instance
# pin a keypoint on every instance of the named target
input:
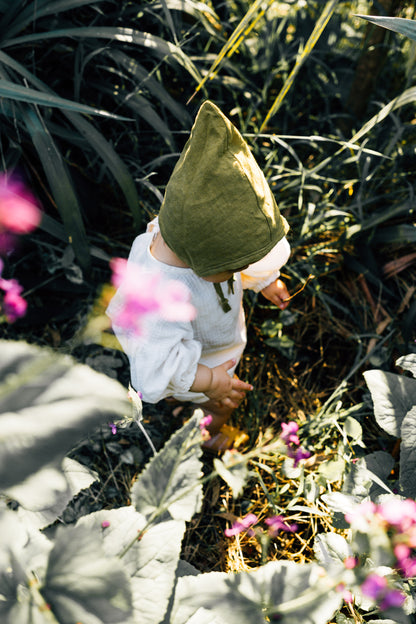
(253, 15)
(60, 184)
(161, 48)
(400, 25)
(38, 9)
(13, 91)
(114, 163)
(316, 33)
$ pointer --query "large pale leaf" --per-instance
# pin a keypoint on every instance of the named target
(23, 556)
(400, 25)
(46, 493)
(408, 362)
(393, 396)
(364, 477)
(150, 557)
(294, 592)
(82, 583)
(408, 455)
(47, 403)
(170, 482)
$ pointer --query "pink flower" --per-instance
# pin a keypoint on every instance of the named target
(298, 455)
(400, 514)
(350, 562)
(288, 432)
(18, 211)
(13, 305)
(362, 515)
(243, 524)
(405, 563)
(105, 524)
(145, 293)
(377, 588)
(277, 523)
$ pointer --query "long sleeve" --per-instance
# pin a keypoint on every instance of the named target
(164, 360)
(262, 273)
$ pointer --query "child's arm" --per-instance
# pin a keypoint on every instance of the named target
(276, 292)
(217, 384)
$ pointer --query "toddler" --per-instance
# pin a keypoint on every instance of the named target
(219, 231)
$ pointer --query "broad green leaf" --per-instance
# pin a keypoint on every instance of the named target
(393, 396)
(47, 403)
(156, 45)
(61, 185)
(408, 455)
(20, 93)
(408, 362)
(233, 469)
(400, 25)
(294, 592)
(82, 583)
(354, 431)
(170, 482)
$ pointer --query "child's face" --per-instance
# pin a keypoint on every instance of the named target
(224, 276)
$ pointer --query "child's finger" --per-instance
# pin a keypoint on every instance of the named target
(238, 384)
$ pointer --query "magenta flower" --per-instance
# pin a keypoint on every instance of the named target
(105, 524)
(13, 305)
(19, 213)
(113, 428)
(277, 523)
(144, 293)
(298, 454)
(289, 431)
(243, 524)
(377, 588)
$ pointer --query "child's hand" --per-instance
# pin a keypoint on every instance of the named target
(229, 391)
(276, 292)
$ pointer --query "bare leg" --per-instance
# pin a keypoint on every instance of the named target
(220, 414)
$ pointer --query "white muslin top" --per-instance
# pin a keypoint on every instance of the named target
(164, 358)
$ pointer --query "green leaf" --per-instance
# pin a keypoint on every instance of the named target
(114, 163)
(153, 44)
(233, 469)
(400, 25)
(393, 396)
(294, 592)
(47, 403)
(61, 185)
(332, 470)
(408, 455)
(82, 583)
(19, 93)
(354, 431)
(319, 27)
(170, 482)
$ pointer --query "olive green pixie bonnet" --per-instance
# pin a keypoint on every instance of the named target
(218, 213)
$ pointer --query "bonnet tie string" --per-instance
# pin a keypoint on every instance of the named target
(223, 300)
